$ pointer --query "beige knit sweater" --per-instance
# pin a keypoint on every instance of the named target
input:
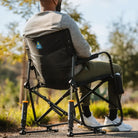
(51, 21)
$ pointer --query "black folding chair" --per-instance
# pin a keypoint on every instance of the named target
(52, 58)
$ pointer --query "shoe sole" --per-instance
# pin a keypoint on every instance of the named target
(80, 126)
(111, 129)
(84, 127)
(114, 129)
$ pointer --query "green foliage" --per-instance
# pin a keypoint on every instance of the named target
(85, 28)
(9, 84)
(39, 110)
(102, 93)
(25, 8)
(63, 118)
(71, 10)
(9, 94)
(100, 109)
(11, 46)
(124, 41)
(9, 119)
(6, 125)
(10, 71)
(130, 112)
(134, 96)
(91, 38)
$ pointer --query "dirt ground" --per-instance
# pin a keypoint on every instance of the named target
(63, 132)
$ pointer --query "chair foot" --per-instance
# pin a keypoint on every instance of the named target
(49, 129)
(22, 132)
(96, 131)
(103, 132)
(70, 134)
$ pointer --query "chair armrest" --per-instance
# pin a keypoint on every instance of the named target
(84, 60)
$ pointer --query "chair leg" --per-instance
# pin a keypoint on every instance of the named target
(70, 118)
(24, 115)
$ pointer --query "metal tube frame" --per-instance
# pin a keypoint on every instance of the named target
(60, 111)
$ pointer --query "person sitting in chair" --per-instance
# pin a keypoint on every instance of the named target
(50, 20)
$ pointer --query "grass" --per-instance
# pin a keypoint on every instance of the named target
(100, 109)
(10, 119)
(130, 112)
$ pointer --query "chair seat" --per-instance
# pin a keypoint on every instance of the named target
(64, 86)
(101, 77)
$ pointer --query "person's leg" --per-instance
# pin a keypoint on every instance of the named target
(94, 69)
(85, 105)
(113, 97)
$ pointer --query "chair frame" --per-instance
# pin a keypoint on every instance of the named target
(60, 111)
(71, 108)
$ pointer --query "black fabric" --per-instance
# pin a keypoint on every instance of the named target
(86, 111)
(117, 83)
(101, 77)
(52, 57)
(112, 114)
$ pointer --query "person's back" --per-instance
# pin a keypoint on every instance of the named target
(51, 21)
(45, 23)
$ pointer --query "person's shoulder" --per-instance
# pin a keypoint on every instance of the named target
(31, 19)
(66, 17)
(43, 14)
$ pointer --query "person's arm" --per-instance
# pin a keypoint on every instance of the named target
(80, 44)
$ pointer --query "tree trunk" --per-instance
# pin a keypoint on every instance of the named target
(23, 78)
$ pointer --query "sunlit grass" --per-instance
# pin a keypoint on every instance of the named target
(11, 118)
(99, 109)
(133, 105)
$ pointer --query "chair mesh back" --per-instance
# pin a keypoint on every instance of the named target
(52, 57)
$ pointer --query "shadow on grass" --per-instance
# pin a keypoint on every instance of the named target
(8, 126)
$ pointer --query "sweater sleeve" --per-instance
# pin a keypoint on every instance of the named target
(80, 44)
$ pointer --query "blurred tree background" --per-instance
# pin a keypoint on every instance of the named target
(122, 38)
(11, 46)
(124, 50)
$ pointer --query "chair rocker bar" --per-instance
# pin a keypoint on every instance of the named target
(95, 131)
(36, 131)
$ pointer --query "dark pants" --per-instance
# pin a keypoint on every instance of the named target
(94, 69)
